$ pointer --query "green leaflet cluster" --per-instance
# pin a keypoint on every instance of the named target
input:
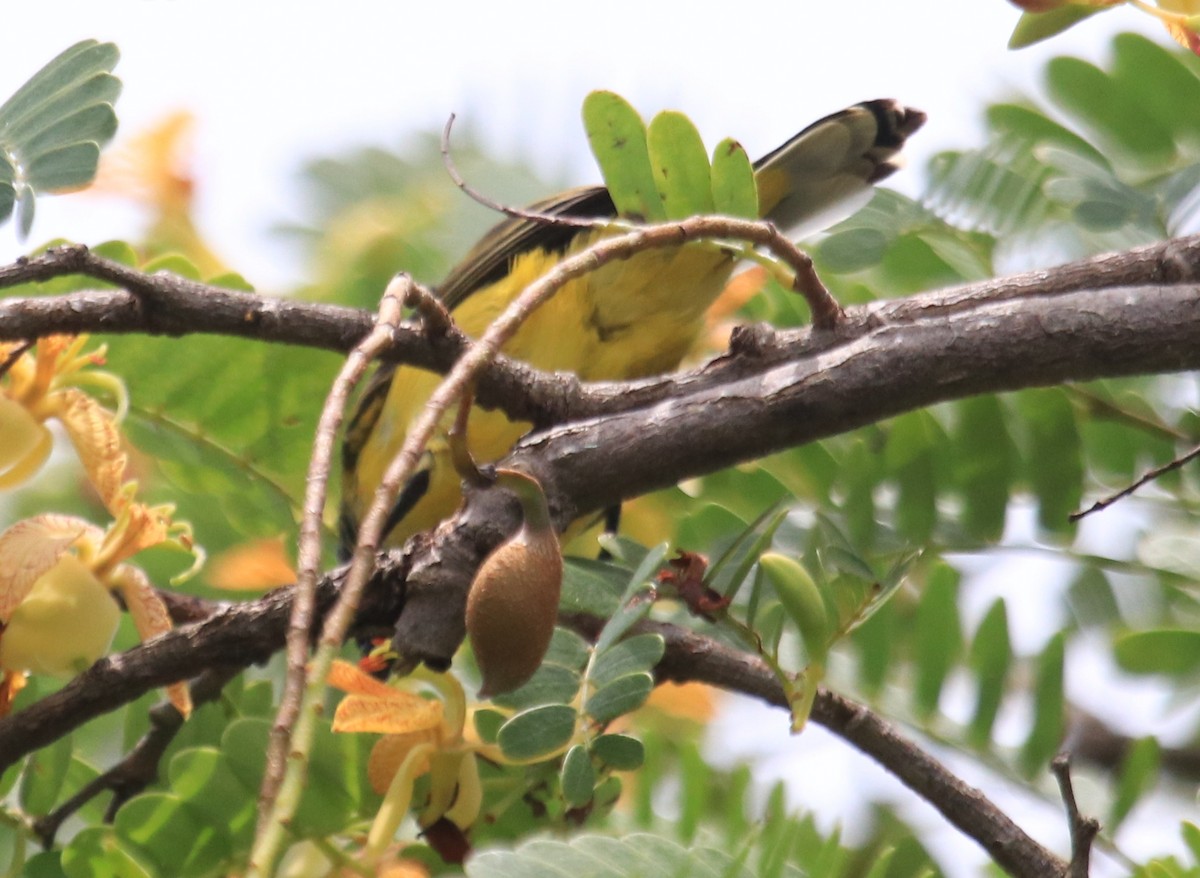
(52, 128)
(661, 171)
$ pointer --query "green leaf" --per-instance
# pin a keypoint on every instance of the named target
(634, 603)
(1033, 27)
(202, 780)
(1045, 735)
(52, 128)
(578, 777)
(621, 696)
(639, 653)
(537, 733)
(875, 640)
(619, 752)
(734, 192)
(42, 780)
(1171, 651)
(47, 864)
(986, 462)
(488, 723)
(568, 649)
(991, 656)
(937, 640)
(592, 587)
(1165, 87)
(696, 782)
(96, 852)
(910, 454)
(852, 250)
(680, 165)
(602, 856)
(1139, 772)
(1054, 459)
(180, 840)
(617, 136)
(1115, 118)
(550, 684)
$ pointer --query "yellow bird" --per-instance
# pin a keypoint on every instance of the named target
(629, 319)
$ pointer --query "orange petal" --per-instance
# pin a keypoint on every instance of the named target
(255, 565)
(349, 678)
(401, 712)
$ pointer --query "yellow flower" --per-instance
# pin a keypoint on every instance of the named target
(420, 736)
(58, 576)
(40, 385)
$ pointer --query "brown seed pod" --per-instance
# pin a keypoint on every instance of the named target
(513, 602)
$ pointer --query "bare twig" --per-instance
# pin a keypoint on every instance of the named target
(291, 733)
(1083, 829)
(525, 213)
(1150, 476)
(139, 768)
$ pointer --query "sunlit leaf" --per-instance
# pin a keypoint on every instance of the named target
(617, 136)
(680, 165)
(733, 190)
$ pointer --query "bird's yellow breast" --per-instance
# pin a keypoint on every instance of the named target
(628, 319)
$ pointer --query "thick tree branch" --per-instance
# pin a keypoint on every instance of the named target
(166, 304)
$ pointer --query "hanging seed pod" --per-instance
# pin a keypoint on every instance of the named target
(513, 602)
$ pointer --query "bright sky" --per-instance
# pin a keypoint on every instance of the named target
(274, 83)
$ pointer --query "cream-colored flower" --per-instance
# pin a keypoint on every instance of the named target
(40, 385)
(58, 576)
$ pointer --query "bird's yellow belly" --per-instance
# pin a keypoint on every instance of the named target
(629, 319)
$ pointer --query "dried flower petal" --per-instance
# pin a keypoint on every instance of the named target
(97, 441)
(151, 619)
(29, 549)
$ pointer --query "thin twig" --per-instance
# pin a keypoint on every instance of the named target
(537, 216)
(291, 733)
(1150, 476)
(1083, 829)
(140, 766)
